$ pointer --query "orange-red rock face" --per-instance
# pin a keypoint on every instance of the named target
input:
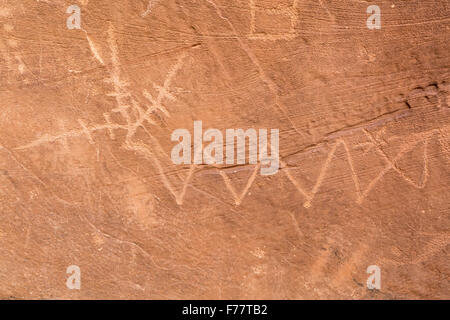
(87, 177)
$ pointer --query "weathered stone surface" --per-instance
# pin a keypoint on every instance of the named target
(85, 143)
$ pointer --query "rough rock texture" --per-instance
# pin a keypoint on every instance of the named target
(86, 175)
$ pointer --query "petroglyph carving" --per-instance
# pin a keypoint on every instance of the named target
(288, 13)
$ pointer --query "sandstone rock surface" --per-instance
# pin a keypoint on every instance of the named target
(85, 143)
